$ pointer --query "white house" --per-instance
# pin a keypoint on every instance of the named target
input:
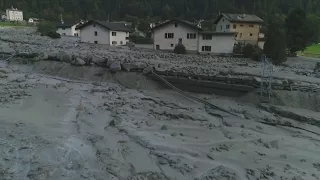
(167, 35)
(102, 32)
(14, 14)
(68, 29)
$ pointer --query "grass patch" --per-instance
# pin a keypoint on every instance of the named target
(13, 24)
(312, 51)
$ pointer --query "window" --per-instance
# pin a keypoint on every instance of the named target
(206, 48)
(114, 33)
(240, 35)
(191, 36)
(169, 35)
(241, 25)
(127, 38)
(96, 42)
(251, 25)
(236, 35)
(63, 34)
(94, 25)
(222, 20)
(63, 28)
(207, 37)
(234, 26)
(121, 42)
(176, 25)
(220, 27)
(228, 26)
(95, 33)
(114, 42)
(171, 45)
(250, 34)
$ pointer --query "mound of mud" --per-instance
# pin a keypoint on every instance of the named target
(297, 99)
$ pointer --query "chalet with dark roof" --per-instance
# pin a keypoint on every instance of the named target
(103, 32)
(245, 26)
(173, 32)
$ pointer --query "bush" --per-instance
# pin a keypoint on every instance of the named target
(180, 49)
(46, 28)
(237, 48)
(252, 51)
(141, 40)
(54, 35)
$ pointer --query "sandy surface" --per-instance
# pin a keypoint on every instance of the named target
(57, 129)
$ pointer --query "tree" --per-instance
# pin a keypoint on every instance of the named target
(275, 45)
(313, 22)
(144, 25)
(297, 31)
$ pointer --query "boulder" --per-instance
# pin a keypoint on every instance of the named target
(147, 70)
(115, 66)
(110, 61)
(27, 54)
(100, 61)
(43, 56)
(6, 49)
(65, 57)
(78, 62)
(53, 56)
(137, 66)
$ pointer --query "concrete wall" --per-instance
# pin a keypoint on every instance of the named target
(222, 25)
(120, 38)
(219, 44)
(179, 32)
(88, 36)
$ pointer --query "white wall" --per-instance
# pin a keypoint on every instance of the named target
(88, 36)
(14, 15)
(119, 38)
(221, 25)
(64, 31)
(179, 32)
(218, 43)
(71, 31)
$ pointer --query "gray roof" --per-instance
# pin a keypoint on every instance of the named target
(187, 23)
(113, 26)
(246, 18)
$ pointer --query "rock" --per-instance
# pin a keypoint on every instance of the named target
(27, 54)
(53, 56)
(147, 70)
(43, 56)
(115, 66)
(138, 66)
(164, 127)
(78, 62)
(88, 59)
(221, 172)
(275, 144)
(110, 61)
(6, 49)
(65, 57)
(100, 61)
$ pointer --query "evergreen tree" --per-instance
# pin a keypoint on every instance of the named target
(297, 30)
(275, 45)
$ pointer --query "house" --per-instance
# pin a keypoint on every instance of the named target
(102, 32)
(246, 26)
(34, 21)
(3, 17)
(170, 33)
(68, 28)
(13, 14)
